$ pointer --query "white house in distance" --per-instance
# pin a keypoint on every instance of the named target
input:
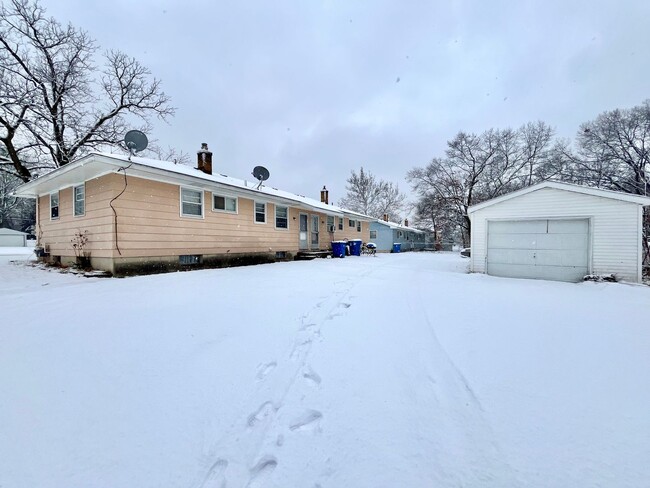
(559, 231)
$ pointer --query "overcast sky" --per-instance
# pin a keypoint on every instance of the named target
(314, 89)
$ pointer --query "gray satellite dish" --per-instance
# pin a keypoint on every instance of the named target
(135, 141)
(261, 173)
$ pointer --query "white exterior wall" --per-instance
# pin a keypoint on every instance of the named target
(615, 227)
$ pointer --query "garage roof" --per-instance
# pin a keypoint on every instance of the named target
(596, 192)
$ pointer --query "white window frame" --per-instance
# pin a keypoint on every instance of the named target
(276, 217)
(371, 234)
(58, 205)
(180, 196)
(225, 197)
(331, 227)
(352, 223)
(255, 203)
(341, 226)
(358, 226)
(74, 200)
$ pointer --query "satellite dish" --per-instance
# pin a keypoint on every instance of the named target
(261, 173)
(135, 141)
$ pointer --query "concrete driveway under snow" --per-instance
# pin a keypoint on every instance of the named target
(399, 370)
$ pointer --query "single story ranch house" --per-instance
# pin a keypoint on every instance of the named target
(133, 215)
(559, 231)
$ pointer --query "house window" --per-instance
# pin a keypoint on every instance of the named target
(79, 193)
(358, 226)
(281, 217)
(330, 223)
(399, 234)
(260, 213)
(189, 259)
(191, 203)
(340, 223)
(373, 234)
(352, 223)
(54, 205)
(224, 204)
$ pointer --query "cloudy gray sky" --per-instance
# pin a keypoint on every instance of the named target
(313, 89)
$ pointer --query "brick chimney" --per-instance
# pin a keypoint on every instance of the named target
(204, 159)
(325, 196)
(406, 222)
(385, 217)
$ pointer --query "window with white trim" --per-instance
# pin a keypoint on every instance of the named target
(191, 202)
(260, 213)
(79, 195)
(281, 217)
(358, 226)
(224, 204)
(352, 223)
(54, 205)
(340, 223)
(373, 234)
(330, 223)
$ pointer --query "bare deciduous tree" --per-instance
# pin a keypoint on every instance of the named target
(370, 196)
(55, 102)
(479, 167)
(613, 153)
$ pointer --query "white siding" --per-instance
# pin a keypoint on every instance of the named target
(615, 233)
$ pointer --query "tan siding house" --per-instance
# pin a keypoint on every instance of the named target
(143, 215)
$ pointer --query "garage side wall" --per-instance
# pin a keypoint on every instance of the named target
(614, 227)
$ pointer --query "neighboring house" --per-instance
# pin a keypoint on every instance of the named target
(385, 234)
(12, 238)
(558, 231)
(144, 215)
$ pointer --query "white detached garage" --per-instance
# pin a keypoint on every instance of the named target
(558, 231)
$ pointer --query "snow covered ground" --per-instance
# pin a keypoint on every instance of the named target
(394, 371)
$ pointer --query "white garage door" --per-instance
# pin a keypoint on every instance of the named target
(540, 249)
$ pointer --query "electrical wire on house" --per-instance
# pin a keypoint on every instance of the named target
(126, 183)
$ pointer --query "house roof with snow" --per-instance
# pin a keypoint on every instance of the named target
(396, 226)
(596, 192)
(98, 164)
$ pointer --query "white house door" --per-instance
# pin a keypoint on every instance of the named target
(314, 231)
(304, 232)
(539, 249)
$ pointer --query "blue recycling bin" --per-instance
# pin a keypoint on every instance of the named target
(338, 249)
(397, 246)
(355, 247)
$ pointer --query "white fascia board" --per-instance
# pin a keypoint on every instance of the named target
(596, 192)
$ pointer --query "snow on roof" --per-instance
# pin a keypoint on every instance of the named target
(557, 185)
(249, 187)
(395, 225)
(5, 232)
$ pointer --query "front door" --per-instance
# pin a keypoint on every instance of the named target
(314, 231)
(303, 231)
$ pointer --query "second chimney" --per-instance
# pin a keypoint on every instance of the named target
(204, 159)
(385, 217)
(325, 195)
(406, 222)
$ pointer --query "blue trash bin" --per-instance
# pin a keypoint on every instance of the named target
(397, 246)
(338, 249)
(355, 247)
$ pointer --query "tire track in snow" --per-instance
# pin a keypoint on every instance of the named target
(487, 463)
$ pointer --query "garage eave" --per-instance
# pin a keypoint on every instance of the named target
(597, 192)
